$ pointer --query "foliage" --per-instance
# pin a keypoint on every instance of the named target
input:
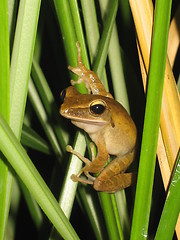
(37, 197)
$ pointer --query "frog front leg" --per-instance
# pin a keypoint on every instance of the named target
(81, 71)
(113, 177)
(88, 77)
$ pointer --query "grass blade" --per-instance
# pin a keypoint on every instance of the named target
(105, 39)
(69, 188)
(25, 169)
(109, 215)
(91, 26)
(48, 102)
(41, 113)
(4, 110)
(21, 61)
(171, 208)
(31, 139)
(79, 30)
(151, 122)
(67, 29)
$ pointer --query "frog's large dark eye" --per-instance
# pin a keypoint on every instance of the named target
(63, 95)
(97, 107)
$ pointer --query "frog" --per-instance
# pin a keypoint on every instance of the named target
(108, 125)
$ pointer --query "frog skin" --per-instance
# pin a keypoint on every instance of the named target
(108, 125)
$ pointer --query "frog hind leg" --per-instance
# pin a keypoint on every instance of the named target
(113, 177)
(115, 183)
(76, 178)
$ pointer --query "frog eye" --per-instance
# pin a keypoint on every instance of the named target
(63, 95)
(97, 107)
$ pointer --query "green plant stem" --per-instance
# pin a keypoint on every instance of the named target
(151, 122)
(117, 216)
(67, 29)
(69, 37)
(106, 204)
(89, 15)
(41, 113)
(79, 30)
(91, 26)
(4, 110)
(87, 199)
(69, 187)
(31, 139)
(105, 39)
(21, 61)
(25, 169)
(171, 208)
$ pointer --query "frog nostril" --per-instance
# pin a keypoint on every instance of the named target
(63, 95)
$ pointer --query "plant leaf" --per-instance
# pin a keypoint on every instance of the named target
(19, 160)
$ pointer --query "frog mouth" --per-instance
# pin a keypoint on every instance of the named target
(80, 116)
(88, 122)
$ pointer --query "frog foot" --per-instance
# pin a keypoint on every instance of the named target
(75, 178)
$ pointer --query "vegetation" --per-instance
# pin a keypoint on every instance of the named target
(38, 200)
